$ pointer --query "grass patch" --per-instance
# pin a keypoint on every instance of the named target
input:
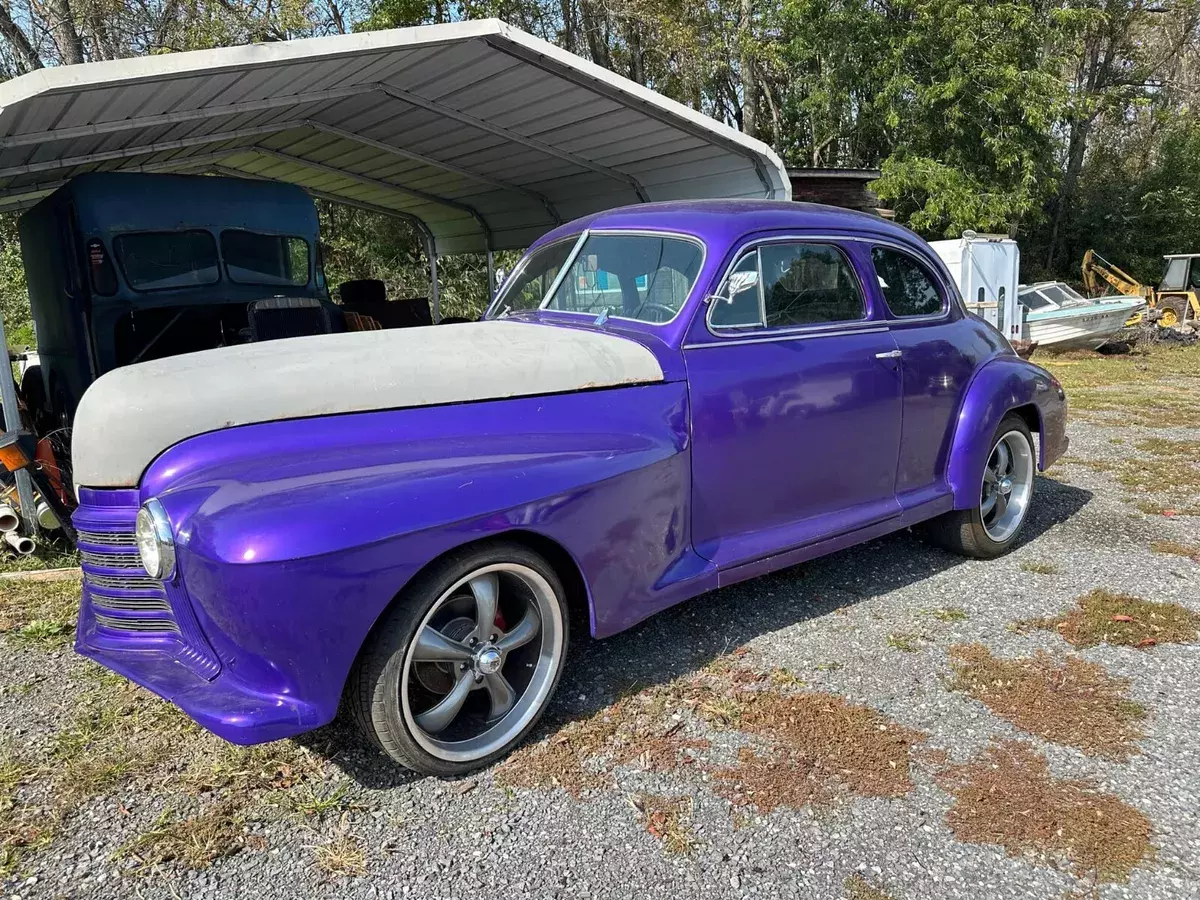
(1103, 617)
(668, 819)
(905, 641)
(858, 888)
(1007, 797)
(949, 614)
(1039, 568)
(1074, 702)
(1171, 548)
(39, 612)
(52, 554)
(342, 856)
(195, 842)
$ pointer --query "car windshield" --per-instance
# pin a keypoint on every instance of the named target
(155, 261)
(632, 276)
(253, 258)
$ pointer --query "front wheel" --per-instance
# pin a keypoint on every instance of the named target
(465, 662)
(991, 527)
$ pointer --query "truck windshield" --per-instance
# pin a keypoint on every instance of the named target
(634, 276)
(253, 258)
(156, 261)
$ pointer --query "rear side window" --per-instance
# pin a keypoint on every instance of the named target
(158, 261)
(906, 284)
(796, 284)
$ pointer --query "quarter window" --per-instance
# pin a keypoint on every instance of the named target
(797, 284)
(907, 286)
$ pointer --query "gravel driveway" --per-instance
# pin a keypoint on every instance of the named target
(889, 721)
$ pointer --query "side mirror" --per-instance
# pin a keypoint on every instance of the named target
(738, 282)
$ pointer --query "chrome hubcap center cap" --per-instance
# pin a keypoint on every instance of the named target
(1005, 485)
(488, 661)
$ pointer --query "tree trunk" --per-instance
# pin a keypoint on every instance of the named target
(568, 25)
(26, 57)
(637, 55)
(596, 33)
(66, 35)
(746, 64)
(1076, 149)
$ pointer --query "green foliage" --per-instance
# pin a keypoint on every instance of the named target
(14, 297)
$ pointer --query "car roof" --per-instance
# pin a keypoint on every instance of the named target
(714, 219)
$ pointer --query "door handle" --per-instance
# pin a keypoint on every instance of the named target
(889, 354)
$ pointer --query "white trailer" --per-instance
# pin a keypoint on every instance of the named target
(986, 268)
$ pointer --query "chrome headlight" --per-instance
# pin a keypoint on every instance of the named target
(155, 542)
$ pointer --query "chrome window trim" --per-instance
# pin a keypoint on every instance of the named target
(521, 266)
(950, 292)
(876, 327)
(727, 332)
(937, 283)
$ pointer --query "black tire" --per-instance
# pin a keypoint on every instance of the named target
(963, 531)
(373, 693)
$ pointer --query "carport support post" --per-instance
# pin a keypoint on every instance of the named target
(435, 299)
(491, 275)
(12, 422)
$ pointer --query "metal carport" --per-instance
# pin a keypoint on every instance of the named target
(484, 136)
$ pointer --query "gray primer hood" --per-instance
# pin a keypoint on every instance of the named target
(132, 414)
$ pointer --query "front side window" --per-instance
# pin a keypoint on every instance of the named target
(634, 276)
(161, 260)
(907, 286)
(796, 284)
(527, 287)
(275, 259)
(1175, 276)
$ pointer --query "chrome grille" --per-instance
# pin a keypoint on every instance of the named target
(136, 623)
(108, 539)
(111, 560)
(121, 582)
(131, 604)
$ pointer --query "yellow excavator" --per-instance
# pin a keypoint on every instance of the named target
(1176, 300)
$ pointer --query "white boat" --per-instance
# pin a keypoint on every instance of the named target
(1058, 316)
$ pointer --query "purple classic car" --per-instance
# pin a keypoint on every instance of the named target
(662, 400)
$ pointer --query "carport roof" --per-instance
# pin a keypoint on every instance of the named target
(485, 135)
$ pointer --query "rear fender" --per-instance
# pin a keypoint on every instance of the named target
(1003, 384)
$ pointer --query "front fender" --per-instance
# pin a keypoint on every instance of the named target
(1002, 384)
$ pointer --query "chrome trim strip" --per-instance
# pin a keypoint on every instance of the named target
(874, 327)
(564, 268)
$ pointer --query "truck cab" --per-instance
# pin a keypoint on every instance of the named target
(130, 267)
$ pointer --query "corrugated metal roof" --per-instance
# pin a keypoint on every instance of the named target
(486, 135)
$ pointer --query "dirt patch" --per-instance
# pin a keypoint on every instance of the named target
(1103, 617)
(1072, 702)
(40, 612)
(1039, 568)
(858, 888)
(1007, 796)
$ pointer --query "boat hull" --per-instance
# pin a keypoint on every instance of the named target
(1083, 328)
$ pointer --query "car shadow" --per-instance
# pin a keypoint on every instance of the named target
(687, 637)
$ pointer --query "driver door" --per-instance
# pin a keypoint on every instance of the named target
(795, 390)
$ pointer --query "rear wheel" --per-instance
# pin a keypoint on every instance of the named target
(1174, 311)
(991, 527)
(466, 661)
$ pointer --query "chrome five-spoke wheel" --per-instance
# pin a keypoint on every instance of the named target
(1007, 486)
(466, 662)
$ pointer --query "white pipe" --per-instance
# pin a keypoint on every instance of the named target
(46, 517)
(21, 544)
(9, 520)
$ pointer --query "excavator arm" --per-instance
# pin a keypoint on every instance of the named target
(1097, 269)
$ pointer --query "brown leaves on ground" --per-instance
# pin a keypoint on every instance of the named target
(1103, 617)
(1007, 796)
(668, 819)
(818, 746)
(1171, 548)
(1073, 702)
